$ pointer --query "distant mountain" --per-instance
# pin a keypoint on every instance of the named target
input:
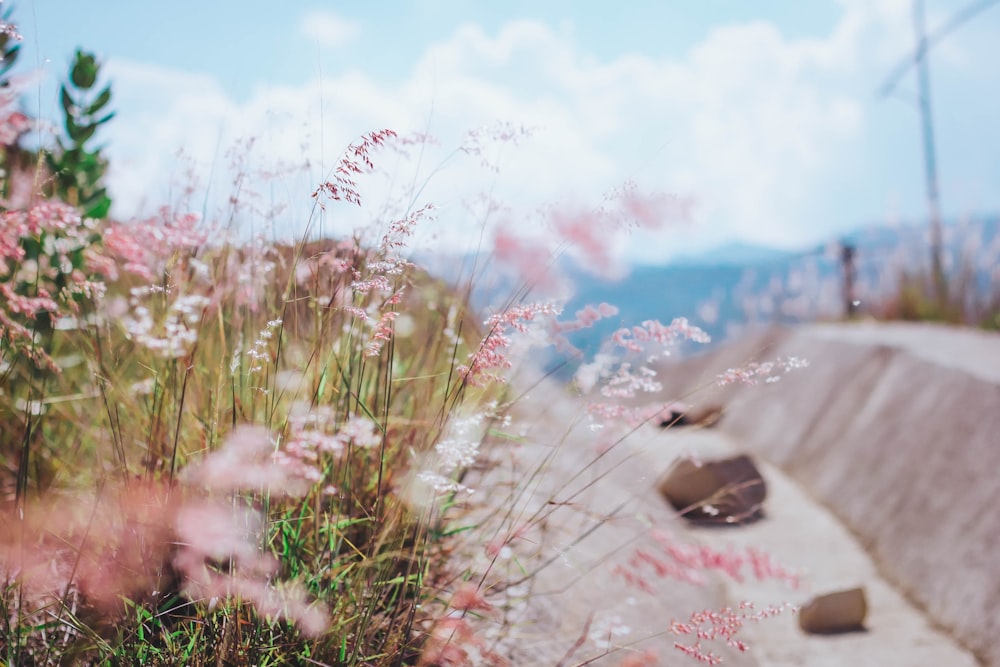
(738, 286)
(741, 254)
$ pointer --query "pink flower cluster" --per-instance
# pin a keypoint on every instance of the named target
(402, 229)
(326, 268)
(13, 125)
(722, 625)
(143, 247)
(625, 382)
(627, 415)
(381, 334)
(586, 317)
(10, 30)
(468, 597)
(647, 658)
(621, 379)
(68, 231)
(766, 370)
(29, 306)
(48, 256)
(356, 161)
(131, 542)
(653, 331)
(498, 134)
(590, 234)
(246, 461)
(491, 356)
(209, 533)
(688, 563)
(636, 209)
(314, 438)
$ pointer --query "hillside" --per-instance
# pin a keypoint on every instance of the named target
(739, 289)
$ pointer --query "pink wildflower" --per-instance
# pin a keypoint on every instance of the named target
(625, 383)
(587, 317)
(649, 211)
(452, 642)
(587, 233)
(722, 625)
(376, 283)
(402, 229)
(491, 355)
(10, 30)
(357, 160)
(653, 331)
(688, 562)
(468, 598)
(381, 334)
(14, 125)
(143, 247)
(362, 432)
(27, 305)
(500, 132)
(209, 533)
(246, 461)
(768, 370)
(526, 259)
(313, 439)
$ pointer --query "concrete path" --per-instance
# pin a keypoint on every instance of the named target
(569, 520)
(800, 533)
(896, 429)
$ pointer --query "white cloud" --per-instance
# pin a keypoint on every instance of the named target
(327, 29)
(753, 124)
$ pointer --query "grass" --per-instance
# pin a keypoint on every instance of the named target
(958, 299)
(145, 522)
(901, 285)
(216, 451)
(222, 452)
(247, 453)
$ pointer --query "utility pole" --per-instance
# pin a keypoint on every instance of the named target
(847, 254)
(919, 61)
(930, 156)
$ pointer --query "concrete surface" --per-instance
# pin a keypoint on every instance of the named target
(896, 428)
(902, 448)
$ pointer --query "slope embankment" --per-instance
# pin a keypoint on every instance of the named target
(896, 429)
(886, 433)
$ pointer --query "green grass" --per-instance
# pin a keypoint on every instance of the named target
(102, 439)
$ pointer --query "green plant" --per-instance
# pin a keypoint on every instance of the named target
(10, 47)
(190, 343)
(78, 168)
(251, 454)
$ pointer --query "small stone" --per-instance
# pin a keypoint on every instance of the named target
(725, 491)
(705, 416)
(842, 611)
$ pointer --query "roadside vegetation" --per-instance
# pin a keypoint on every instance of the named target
(220, 450)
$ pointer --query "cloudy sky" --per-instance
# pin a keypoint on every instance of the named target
(766, 114)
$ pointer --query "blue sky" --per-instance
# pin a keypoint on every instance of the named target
(765, 113)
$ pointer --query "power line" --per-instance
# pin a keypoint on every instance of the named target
(957, 19)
